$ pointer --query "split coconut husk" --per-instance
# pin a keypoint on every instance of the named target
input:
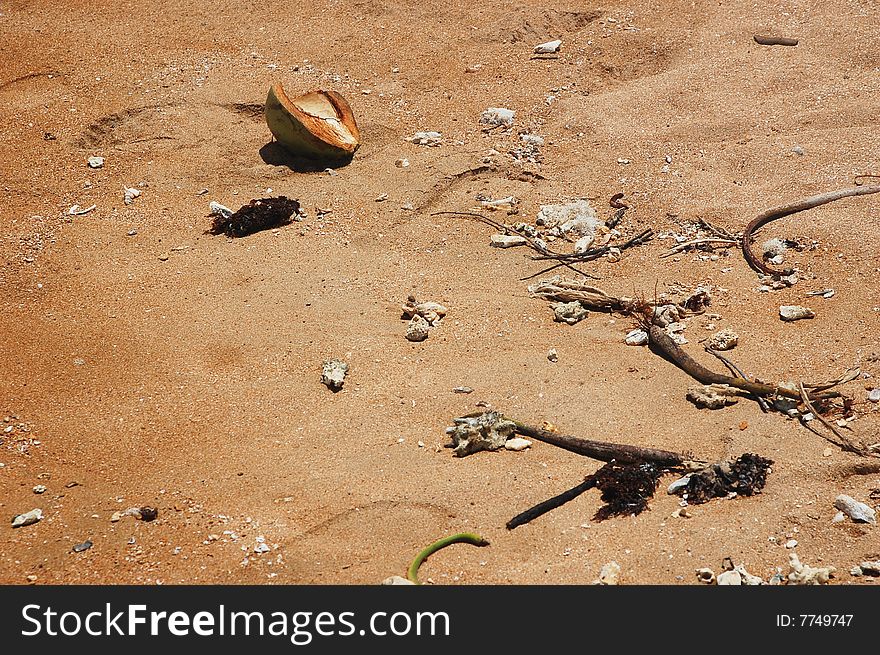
(317, 125)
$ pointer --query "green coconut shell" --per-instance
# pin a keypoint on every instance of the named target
(317, 125)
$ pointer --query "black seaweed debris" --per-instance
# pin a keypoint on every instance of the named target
(257, 215)
(745, 476)
(626, 488)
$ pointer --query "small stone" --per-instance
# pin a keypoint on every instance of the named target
(569, 312)
(39, 489)
(131, 233)
(381, 197)
(548, 48)
(418, 329)
(261, 548)
(116, 516)
(636, 337)
(706, 576)
(96, 162)
(164, 257)
(507, 241)
(28, 518)
(712, 396)
(32, 578)
(396, 580)
(517, 444)
(803, 574)
(798, 150)
(497, 117)
(463, 390)
(147, 514)
(426, 138)
(791, 543)
(840, 517)
(609, 575)
(874, 395)
(130, 194)
(729, 578)
(679, 484)
(795, 312)
(723, 340)
(82, 547)
(858, 512)
(681, 513)
(403, 162)
(552, 355)
(870, 568)
(828, 452)
(333, 374)
(856, 572)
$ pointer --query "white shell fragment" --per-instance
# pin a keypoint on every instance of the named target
(803, 574)
(712, 396)
(220, 210)
(430, 311)
(548, 48)
(637, 337)
(76, 210)
(507, 241)
(795, 312)
(729, 578)
(681, 483)
(96, 162)
(858, 512)
(497, 117)
(130, 194)
(418, 329)
(501, 203)
(723, 340)
(609, 575)
(396, 580)
(426, 138)
(333, 374)
(532, 139)
(874, 395)
(706, 576)
(28, 518)
(517, 444)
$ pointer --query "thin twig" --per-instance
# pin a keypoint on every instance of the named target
(733, 368)
(792, 208)
(548, 505)
(699, 242)
(847, 444)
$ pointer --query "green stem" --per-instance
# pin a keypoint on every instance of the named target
(462, 537)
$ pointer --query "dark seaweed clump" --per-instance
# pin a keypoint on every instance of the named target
(745, 476)
(626, 488)
(257, 215)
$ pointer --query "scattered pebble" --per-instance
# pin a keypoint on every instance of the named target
(712, 396)
(426, 138)
(636, 337)
(396, 580)
(517, 444)
(96, 162)
(215, 208)
(131, 233)
(840, 517)
(858, 512)
(874, 395)
(825, 293)
(870, 568)
(507, 241)
(130, 194)
(463, 390)
(164, 257)
(729, 578)
(548, 48)
(497, 116)
(681, 483)
(39, 489)
(552, 355)
(803, 574)
(706, 576)
(791, 543)
(418, 329)
(403, 162)
(83, 546)
(381, 198)
(609, 575)
(333, 374)
(76, 210)
(795, 312)
(28, 518)
(532, 139)
(569, 312)
(723, 340)
(798, 150)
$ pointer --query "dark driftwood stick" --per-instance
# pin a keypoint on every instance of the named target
(603, 450)
(557, 501)
(774, 40)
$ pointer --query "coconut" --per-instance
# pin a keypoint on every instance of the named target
(317, 125)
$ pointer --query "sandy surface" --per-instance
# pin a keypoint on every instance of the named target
(181, 370)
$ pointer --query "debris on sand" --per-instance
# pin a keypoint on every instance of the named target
(637, 337)
(869, 568)
(517, 444)
(432, 312)
(130, 194)
(723, 340)
(626, 488)
(76, 210)
(744, 476)
(333, 374)
(570, 312)
(146, 514)
(418, 329)
(712, 396)
(858, 512)
(609, 575)
(426, 138)
(706, 575)
(96, 162)
(319, 125)
(257, 215)
(497, 117)
(396, 580)
(795, 312)
(84, 546)
(548, 48)
(28, 518)
(804, 574)
(486, 431)
(507, 241)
